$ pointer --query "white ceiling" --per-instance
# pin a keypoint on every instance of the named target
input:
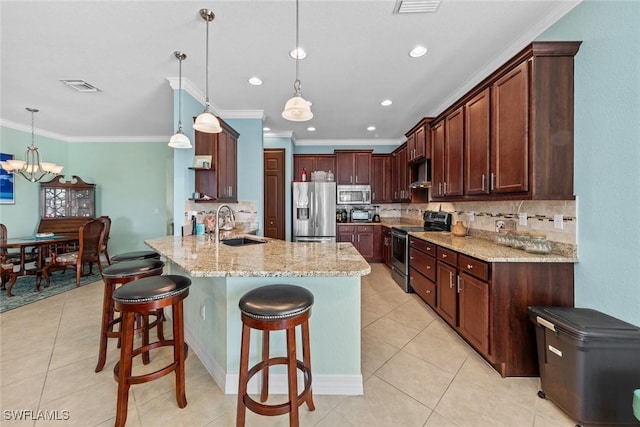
(357, 56)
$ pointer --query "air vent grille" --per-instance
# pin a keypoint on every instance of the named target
(80, 85)
(416, 6)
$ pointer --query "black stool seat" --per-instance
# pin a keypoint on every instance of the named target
(131, 268)
(136, 255)
(151, 289)
(276, 302)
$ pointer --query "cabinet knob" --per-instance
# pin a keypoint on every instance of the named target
(271, 223)
(410, 257)
(469, 266)
(428, 291)
(444, 255)
(428, 267)
(428, 249)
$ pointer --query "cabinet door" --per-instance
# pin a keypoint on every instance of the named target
(227, 167)
(447, 293)
(454, 143)
(305, 162)
(365, 244)
(403, 174)
(346, 233)
(476, 144)
(325, 163)
(344, 168)
(510, 141)
(411, 146)
(386, 246)
(420, 144)
(424, 287)
(474, 312)
(381, 180)
(437, 160)
(362, 168)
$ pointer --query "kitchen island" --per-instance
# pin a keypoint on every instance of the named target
(221, 274)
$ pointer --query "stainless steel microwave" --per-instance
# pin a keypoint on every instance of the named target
(353, 194)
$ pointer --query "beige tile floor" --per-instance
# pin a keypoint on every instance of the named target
(417, 372)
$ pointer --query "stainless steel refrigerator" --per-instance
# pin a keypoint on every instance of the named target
(314, 212)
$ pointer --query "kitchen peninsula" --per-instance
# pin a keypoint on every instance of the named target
(221, 274)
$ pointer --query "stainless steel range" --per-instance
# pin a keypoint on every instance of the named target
(433, 221)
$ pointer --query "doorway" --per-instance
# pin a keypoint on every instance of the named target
(274, 194)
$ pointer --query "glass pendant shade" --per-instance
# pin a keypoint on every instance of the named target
(297, 109)
(207, 122)
(179, 140)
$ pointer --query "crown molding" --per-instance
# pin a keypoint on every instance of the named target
(362, 142)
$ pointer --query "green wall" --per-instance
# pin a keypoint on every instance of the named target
(607, 153)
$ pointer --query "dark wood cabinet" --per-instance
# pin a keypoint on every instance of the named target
(517, 132)
(486, 303)
(66, 205)
(381, 178)
(312, 163)
(401, 175)
(448, 143)
(353, 166)
(418, 142)
(220, 181)
(386, 245)
(365, 238)
(476, 144)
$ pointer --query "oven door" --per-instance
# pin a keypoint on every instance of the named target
(399, 256)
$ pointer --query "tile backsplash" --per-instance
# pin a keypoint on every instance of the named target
(246, 213)
(540, 216)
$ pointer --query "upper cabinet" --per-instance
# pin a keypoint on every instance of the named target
(381, 178)
(418, 141)
(401, 175)
(312, 163)
(353, 166)
(60, 199)
(516, 130)
(220, 181)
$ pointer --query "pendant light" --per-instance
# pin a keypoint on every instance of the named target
(31, 168)
(297, 109)
(180, 140)
(207, 122)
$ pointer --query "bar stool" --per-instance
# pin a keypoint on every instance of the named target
(136, 255)
(272, 308)
(145, 295)
(120, 274)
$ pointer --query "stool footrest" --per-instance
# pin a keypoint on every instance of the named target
(139, 379)
(282, 408)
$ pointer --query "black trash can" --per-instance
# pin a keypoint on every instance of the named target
(589, 364)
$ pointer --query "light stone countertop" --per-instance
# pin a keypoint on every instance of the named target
(201, 256)
(486, 250)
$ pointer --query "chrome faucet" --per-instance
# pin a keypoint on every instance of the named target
(230, 216)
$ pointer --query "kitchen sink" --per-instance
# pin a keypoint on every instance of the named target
(241, 241)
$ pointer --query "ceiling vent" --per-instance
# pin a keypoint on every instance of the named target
(416, 6)
(80, 85)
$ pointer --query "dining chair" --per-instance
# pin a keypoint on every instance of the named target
(90, 241)
(10, 259)
(105, 240)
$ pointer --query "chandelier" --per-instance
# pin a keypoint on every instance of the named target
(31, 169)
(297, 109)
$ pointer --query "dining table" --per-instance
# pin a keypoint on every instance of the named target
(41, 244)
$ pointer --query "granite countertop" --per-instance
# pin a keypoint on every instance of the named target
(387, 222)
(201, 256)
(486, 250)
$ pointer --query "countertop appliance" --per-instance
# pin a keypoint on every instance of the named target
(361, 215)
(433, 221)
(353, 195)
(314, 212)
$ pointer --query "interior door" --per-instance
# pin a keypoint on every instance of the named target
(274, 198)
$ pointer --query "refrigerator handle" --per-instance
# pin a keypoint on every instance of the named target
(312, 209)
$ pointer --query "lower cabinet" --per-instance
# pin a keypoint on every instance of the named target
(486, 302)
(386, 245)
(366, 239)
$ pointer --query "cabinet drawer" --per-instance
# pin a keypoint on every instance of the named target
(423, 245)
(346, 228)
(423, 287)
(474, 267)
(422, 262)
(446, 255)
(365, 228)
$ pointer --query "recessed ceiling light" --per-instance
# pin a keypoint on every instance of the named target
(256, 81)
(371, 128)
(301, 54)
(386, 103)
(266, 129)
(311, 129)
(417, 51)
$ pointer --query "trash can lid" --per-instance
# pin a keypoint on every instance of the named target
(585, 323)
